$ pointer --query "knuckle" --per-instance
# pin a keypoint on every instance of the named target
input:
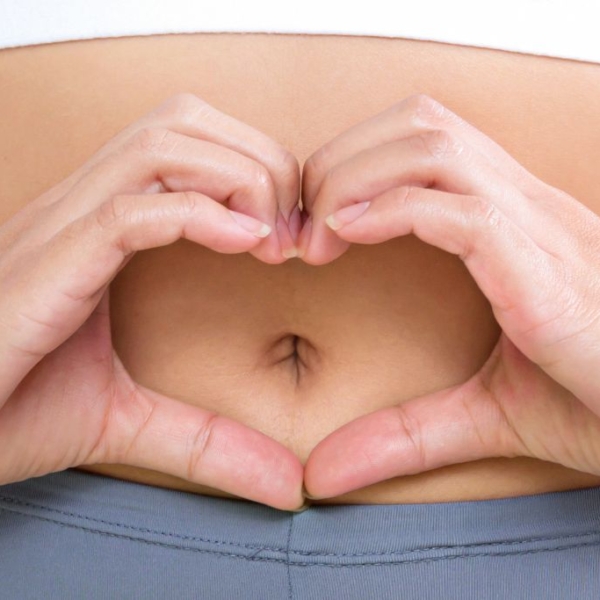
(114, 218)
(423, 105)
(261, 181)
(483, 213)
(509, 439)
(406, 196)
(288, 166)
(154, 141)
(200, 446)
(440, 144)
(142, 414)
(482, 218)
(110, 212)
(184, 104)
(410, 430)
(317, 163)
(427, 111)
(314, 171)
(72, 233)
(189, 203)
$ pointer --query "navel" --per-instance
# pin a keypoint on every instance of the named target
(292, 351)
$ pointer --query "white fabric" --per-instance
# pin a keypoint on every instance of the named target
(561, 28)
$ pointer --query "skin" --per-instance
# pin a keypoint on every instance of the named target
(531, 248)
(312, 354)
(62, 384)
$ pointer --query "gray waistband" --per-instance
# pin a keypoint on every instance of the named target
(165, 517)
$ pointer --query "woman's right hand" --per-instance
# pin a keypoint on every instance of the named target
(65, 397)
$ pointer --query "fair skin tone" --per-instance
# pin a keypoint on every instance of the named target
(293, 349)
(78, 235)
(62, 382)
(533, 251)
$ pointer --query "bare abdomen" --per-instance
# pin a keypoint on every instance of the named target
(296, 350)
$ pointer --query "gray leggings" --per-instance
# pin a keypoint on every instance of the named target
(84, 536)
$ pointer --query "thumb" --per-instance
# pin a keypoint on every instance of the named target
(459, 424)
(153, 431)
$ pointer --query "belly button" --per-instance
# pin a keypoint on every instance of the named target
(294, 351)
(306, 354)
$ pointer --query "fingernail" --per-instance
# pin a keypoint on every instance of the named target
(346, 215)
(254, 226)
(295, 223)
(304, 507)
(288, 249)
(307, 495)
(304, 238)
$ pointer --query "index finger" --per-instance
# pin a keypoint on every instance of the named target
(190, 115)
(201, 119)
(414, 115)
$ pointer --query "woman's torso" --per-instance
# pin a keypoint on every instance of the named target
(377, 326)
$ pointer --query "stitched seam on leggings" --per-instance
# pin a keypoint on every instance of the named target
(282, 549)
(220, 554)
(190, 538)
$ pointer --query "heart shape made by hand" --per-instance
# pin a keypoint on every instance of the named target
(292, 358)
(297, 350)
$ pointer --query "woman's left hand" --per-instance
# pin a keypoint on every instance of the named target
(533, 250)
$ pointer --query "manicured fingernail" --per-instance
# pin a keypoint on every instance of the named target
(346, 215)
(254, 226)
